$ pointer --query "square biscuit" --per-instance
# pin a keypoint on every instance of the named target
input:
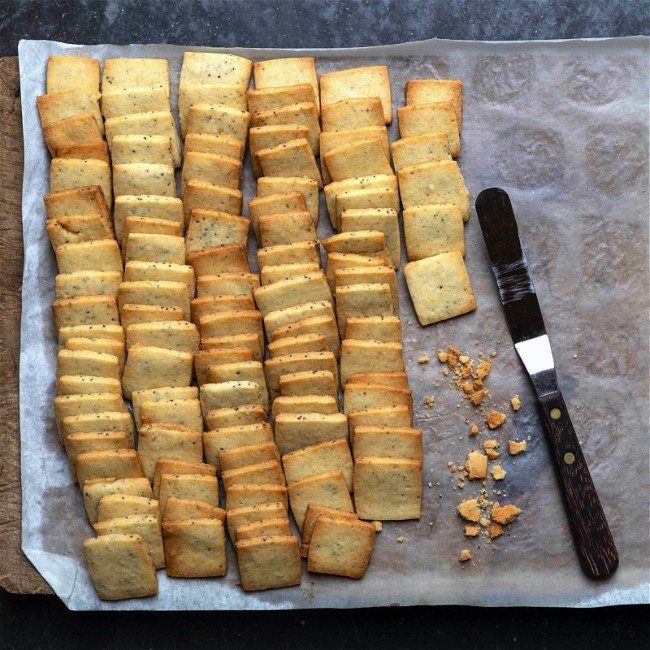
(248, 455)
(261, 100)
(106, 346)
(197, 487)
(246, 514)
(148, 205)
(297, 253)
(268, 562)
(152, 395)
(120, 567)
(78, 443)
(280, 203)
(326, 489)
(291, 158)
(324, 325)
(394, 379)
(210, 143)
(209, 305)
(82, 228)
(433, 229)
(214, 168)
(121, 505)
(291, 71)
(94, 491)
(340, 547)
(98, 150)
(339, 261)
(201, 68)
(87, 384)
(377, 219)
(360, 397)
(387, 488)
(175, 467)
(297, 344)
(64, 72)
(151, 247)
(84, 283)
(169, 441)
(359, 356)
(148, 226)
(126, 101)
(439, 287)
(77, 202)
(102, 421)
(138, 178)
(250, 341)
(314, 511)
(87, 362)
(272, 135)
(107, 463)
(219, 120)
(374, 198)
(307, 383)
(232, 417)
(330, 140)
(227, 284)
(359, 242)
(228, 394)
(72, 102)
(353, 113)
(134, 313)
(286, 228)
(206, 359)
(369, 275)
(361, 158)
(230, 95)
(387, 441)
(264, 528)
(310, 287)
(137, 271)
(284, 317)
(99, 255)
(438, 182)
(417, 119)
(251, 371)
(208, 228)
(160, 293)
(183, 412)
(370, 81)
(427, 91)
(206, 196)
(306, 186)
(417, 149)
(85, 310)
(153, 367)
(271, 274)
(112, 332)
(221, 324)
(304, 114)
(145, 525)
(290, 363)
(294, 431)
(120, 74)
(222, 439)
(239, 495)
(362, 300)
(328, 456)
(145, 123)
(325, 404)
(222, 258)
(375, 328)
(71, 173)
(184, 509)
(76, 130)
(268, 472)
(130, 149)
(195, 548)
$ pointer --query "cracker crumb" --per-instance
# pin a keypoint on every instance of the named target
(400, 539)
(495, 419)
(449, 463)
(429, 400)
(515, 402)
(453, 469)
(424, 359)
(504, 514)
(442, 356)
(473, 430)
(469, 510)
(472, 531)
(378, 526)
(496, 530)
(477, 465)
(445, 371)
(498, 473)
(463, 358)
(483, 369)
(515, 447)
(484, 521)
(490, 447)
(493, 353)
(464, 555)
(477, 397)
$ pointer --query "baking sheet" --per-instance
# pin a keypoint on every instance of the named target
(563, 126)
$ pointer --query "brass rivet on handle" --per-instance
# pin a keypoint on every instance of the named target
(556, 413)
(569, 458)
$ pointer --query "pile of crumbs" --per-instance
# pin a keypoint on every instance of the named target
(484, 516)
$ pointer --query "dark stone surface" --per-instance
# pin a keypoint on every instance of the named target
(43, 622)
(313, 23)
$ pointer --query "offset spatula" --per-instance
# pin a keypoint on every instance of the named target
(591, 534)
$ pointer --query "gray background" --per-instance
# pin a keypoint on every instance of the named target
(35, 622)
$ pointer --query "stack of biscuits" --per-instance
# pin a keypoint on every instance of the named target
(435, 198)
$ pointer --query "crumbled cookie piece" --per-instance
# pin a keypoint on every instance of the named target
(515, 402)
(496, 530)
(400, 539)
(472, 531)
(477, 465)
(429, 400)
(515, 447)
(464, 555)
(495, 419)
(469, 510)
(504, 514)
(424, 359)
(463, 358)
(442, 356)
(477, 397)
(483, 369)
(473, 430)
(498, 473)
(490, 447)
(378, 526)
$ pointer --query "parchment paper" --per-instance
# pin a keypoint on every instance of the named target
(563, 127)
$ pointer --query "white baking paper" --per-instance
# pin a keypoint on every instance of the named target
(563, 127)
